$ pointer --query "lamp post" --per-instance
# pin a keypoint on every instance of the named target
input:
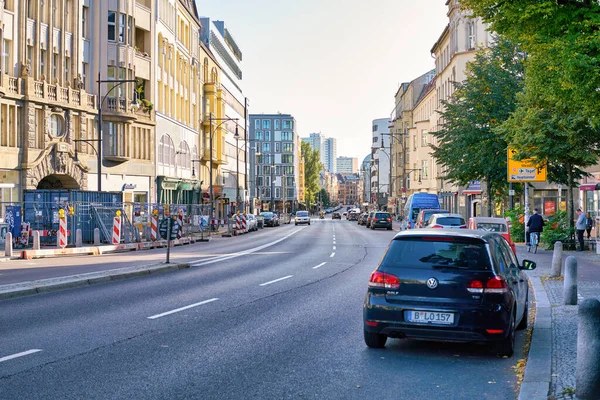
(237, 169)
(211, 130)
(99, 140)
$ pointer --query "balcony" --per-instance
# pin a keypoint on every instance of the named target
(63, 96)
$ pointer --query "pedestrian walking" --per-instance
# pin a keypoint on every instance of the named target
(589, 224)
(580, 226)
(535, 223)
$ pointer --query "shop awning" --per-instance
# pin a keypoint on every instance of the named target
(470, 192)
(589, 186)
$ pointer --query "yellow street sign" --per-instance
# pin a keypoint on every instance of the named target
(524, 170)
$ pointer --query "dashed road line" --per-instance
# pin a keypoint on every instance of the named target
(22, 354)
(276, 280)
(182, 308)
(334, 247)
(320, 265)
(332, 254)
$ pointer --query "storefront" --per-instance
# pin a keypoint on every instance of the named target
(178, 191)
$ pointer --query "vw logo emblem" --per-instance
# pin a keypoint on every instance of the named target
(432, 283)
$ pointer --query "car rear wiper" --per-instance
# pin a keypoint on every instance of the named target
(448, 266)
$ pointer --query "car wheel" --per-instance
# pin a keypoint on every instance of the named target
(375, 340)
(390, 228)
(296, 224)
(506, 347)
(524, 320)
(309, 223)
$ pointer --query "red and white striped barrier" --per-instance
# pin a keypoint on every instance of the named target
(244, 223)
(62, 232)
(218, 221)
(116, 236)
(180, 222)
(25, 233)
(238, 225)
(154, 228)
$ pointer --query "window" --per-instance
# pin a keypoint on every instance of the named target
(278, 170)
(85, 18)
(259, 181)
(425, 169)
(374, 128)
(288, 147)
(67, 62)
(277, 147)
(259, 135)
(115, 138)
(6, 67)
(289, 180)
(268, 136)
(84, 70)
(257, 124)
(30, 10)
(129, 35)
(277, 124)
(286, 135)
(471, 35)
(266, 124)
(266, 147)
(266, 170)
(30, 55)
(112, 22)
(166, 151)
(42, 62)
(54, 65)
(277, 192)
(375, 139)
(122, 28)
(260, 159)
(424, 138)
(287, 124)
(287, 158)
(288, 170)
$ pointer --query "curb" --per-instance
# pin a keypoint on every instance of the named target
(72, 281)
(538, 371)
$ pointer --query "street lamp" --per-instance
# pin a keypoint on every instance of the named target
(237, 169)
(99, 140)
(211, 130)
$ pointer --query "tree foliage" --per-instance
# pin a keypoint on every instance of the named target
(469, 147)
(324, 196)
(312, 168)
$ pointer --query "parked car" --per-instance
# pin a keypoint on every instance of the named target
(424, 215)
(382, 220)
(362, 218)
(336, 215)
(446, 221)
(448, 285)
(251, 223)
(499, 225)
(302, 217)
(369, 219)
(352, 216)
(270, 218)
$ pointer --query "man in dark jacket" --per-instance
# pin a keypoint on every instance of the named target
(535, 224)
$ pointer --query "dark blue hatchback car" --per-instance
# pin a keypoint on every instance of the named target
(448, 285)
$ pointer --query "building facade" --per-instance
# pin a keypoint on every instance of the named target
(380, 165)
(329, 156)
(347, 165)
(275, 162)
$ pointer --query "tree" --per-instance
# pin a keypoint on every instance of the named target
(469, 147)
(324, 196)
(312, 169)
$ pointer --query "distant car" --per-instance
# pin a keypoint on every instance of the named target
(302, 217)
(381, 220)
(270, 218)
(352, 216)
(424, 215)
(490, 224)
(336, 215)
(446, 221)
(369, 219)
(251, 222)
(448, 285)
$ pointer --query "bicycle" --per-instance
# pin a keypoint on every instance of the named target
(533, 242)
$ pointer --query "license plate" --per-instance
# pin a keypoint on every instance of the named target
(429, 317)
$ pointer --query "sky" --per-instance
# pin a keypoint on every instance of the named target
(335, 65)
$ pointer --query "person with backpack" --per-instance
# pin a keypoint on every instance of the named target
(589, 224)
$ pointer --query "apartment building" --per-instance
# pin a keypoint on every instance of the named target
(275, 162)
(380, 165)
(347, 165)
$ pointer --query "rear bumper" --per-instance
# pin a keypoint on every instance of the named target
(470, 321)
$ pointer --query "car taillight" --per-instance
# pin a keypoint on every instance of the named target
(475, 286)
(384, 281)
(437, 226)
(496, 285)
(463, 227)
(375, 219)
(389, 219)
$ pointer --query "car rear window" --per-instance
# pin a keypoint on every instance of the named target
(382, 215)
(429, 252)
(302, 213)
(452, 221)
(491, 227)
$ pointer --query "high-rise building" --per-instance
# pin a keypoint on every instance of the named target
(327, 148)
(347, 165)
(380, 166)
(275, 164)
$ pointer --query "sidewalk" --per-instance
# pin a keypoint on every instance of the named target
(551, 365)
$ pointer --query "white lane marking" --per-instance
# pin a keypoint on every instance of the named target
(332, 254)
(24, 353)
(334, 247)
(320, 265)
(182, 308)
(200, 262)
(276, 280)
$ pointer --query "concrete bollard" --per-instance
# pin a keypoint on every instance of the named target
(96, 236)
(557, 259)
(78, 238)
(8, 248)
(570, 287)
(587, 374)
(36, 240)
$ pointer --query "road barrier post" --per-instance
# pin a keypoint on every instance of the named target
(557, 259)
(570, 286)
(587, 374)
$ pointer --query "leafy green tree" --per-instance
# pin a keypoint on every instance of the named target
(312, 169)
(469, 148)
(324, 196)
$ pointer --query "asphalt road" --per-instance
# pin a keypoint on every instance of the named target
(275, 315)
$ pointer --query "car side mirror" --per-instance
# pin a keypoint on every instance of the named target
(528, 265)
